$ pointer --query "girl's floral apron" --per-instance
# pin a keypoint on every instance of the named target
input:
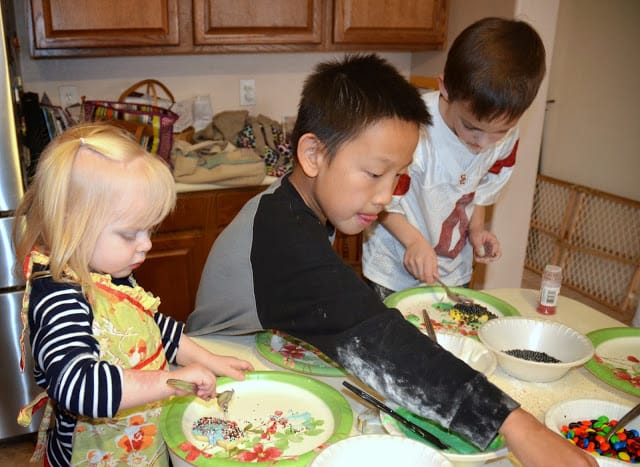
(129, 338)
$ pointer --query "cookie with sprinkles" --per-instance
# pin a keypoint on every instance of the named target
(217, 431)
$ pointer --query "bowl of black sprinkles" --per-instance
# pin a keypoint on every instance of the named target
(533, 349)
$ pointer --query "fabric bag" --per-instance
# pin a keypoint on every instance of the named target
(151, 125)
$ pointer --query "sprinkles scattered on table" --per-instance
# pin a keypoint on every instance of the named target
(590, 435)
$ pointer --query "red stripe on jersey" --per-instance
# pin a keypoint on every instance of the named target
(404, 181)
(508, 161)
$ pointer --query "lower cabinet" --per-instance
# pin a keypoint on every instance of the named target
(182, 242)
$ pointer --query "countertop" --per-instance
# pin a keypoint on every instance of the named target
(534, 397)
(189, 187)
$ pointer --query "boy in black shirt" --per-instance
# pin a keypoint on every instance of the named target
(274, 267)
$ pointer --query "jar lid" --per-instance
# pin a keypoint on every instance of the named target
(553, 272)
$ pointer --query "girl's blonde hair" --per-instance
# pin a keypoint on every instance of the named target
(82, 176)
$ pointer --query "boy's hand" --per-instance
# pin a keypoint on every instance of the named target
(486, 247)
(525, 436)
(421, 261)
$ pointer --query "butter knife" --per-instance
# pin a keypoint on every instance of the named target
(388, 410)
(428, 325)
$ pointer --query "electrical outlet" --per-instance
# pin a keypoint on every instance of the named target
(68, 96)
(247, 92)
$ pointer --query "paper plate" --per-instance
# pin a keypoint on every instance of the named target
(461, 453)
(379, 451)
(616, 360)
(470, 351)
(291, 353)
(412, 301)
(282, 418)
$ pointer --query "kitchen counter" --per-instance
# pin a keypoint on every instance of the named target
(189, 187)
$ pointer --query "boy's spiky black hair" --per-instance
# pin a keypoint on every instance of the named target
(342, 97)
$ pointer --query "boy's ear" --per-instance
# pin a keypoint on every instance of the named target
(310, 154)
(443, 90)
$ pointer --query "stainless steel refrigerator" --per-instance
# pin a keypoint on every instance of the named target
(17, 388)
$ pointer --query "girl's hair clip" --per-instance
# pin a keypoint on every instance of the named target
(82, 141)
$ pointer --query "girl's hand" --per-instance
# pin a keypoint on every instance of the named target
(191, 352)
(229, 366)
(203, 379)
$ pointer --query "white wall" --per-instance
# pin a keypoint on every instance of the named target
(592, 131)
(512, 212)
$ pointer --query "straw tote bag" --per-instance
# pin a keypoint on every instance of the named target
(140, 114)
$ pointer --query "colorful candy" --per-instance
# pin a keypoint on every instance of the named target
(590, 435)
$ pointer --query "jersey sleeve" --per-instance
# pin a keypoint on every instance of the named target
(67, 354)
(499, 173)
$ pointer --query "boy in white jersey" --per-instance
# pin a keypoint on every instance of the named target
(493, 71)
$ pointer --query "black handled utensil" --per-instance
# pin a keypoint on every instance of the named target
(388, 410)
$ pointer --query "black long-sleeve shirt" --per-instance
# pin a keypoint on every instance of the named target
(274, 268)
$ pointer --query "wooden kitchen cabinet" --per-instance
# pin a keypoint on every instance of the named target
(257, 23)
(95, 24)
(182, 242)
(159, 27)
(405, 24)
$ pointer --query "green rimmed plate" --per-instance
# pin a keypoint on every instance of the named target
(461, 451)
(411, 301)
(292, 353)
(282, 418)
(616, 360)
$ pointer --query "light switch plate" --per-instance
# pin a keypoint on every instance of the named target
(68, 96)
(247, 92)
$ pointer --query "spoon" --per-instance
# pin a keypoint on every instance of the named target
(626, 418)
(223, 398)
(454, 296)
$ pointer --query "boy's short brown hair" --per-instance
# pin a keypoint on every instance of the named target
(496, 65)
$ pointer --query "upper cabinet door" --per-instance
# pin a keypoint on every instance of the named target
(60, 24)
(415, 24)
(256, 22)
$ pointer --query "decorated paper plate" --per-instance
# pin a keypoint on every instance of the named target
(616, 360)
(294, 354)
(444, 313)
(461, 451)
(284, 419)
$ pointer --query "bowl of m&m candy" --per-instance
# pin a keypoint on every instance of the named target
(586, 423)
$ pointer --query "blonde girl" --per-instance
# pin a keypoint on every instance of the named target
(101, 348)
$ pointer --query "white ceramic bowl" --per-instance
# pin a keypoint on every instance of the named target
(556, 340)
(469, 350)
(379, 451)
(565, 412)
